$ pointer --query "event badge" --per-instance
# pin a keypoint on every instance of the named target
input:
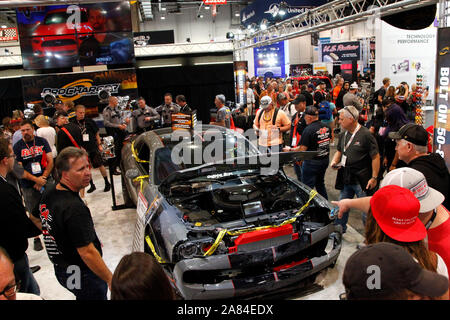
(343, 160)
(85, 137)
(294, 142)
(36, 168)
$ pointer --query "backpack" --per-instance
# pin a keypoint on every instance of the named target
(274, 118)
(325, 111)
(374, 99)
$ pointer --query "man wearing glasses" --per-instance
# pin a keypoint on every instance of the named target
(16, 226)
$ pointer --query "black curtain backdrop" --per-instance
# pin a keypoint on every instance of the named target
(199, 84)
(11, 96)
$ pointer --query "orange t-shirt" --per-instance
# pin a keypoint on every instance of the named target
(270, 135)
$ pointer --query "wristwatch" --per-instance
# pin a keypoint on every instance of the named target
(376, 178)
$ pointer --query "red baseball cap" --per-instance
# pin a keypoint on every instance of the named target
(396, 211)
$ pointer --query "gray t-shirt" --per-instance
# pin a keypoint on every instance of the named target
(224, 113)
(351, 99)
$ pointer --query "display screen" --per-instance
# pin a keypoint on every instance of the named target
(75, 35)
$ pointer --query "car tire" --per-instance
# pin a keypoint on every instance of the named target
(126, 195)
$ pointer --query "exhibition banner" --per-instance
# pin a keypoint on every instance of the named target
(441, 143)
(81, 87)
(270, 61)
(142, 39)
(407, 55)
(343, 51)
(269, 9)
(240, 76)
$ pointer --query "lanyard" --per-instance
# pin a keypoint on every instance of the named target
(294, 134)
(351, 138)
(82, 126)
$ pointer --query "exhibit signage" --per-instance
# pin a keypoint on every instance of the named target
(81, 87)
(8, 34)
(343, 51)
(441, 143)
(142, 39)
(298, 70)
(266, 9)
(240, 76)
(270, 60)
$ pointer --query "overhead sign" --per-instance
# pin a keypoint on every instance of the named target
(142, 39)
(266, 9)
(343, 51)
(8, 34)
(213, 2)
(441, 143)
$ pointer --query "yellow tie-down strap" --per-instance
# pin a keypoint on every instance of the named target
(222, 233)
(152, 247)
(141, 180)
(135, 155)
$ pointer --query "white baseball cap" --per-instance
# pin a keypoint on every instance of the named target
(265, 101)
(354, 85)
(415, 181)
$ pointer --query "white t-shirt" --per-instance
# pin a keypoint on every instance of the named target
(49, 134)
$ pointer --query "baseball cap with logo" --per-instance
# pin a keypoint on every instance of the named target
(398, 271)
(415, 181)
(354, 85)
(265, 101)
(396, 211)
(411, 132)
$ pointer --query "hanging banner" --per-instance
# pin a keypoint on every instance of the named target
(240, 76)
(343, 51)
(441, 141)
(270, 9)
(81, 87)
(270, 61)
(142, 39)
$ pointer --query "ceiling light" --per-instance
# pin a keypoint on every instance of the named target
(264, 24)
(206, 8)
(237, 14)
(163, 18)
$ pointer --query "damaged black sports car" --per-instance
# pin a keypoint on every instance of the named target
(232, 225)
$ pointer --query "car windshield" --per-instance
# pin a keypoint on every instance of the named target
(62, 17)
(188, 151)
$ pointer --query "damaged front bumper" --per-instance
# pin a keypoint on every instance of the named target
(260, 271)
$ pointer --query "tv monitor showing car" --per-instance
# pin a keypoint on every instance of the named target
(75, 35)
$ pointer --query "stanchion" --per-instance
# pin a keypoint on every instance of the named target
(114, 207)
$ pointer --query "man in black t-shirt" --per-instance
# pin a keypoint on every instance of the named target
(69, 235)
(91, 143)
(16, 226)
(71, 138)
(315, 137)
(357, 158)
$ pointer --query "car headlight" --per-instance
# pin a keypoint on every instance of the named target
(188, 250)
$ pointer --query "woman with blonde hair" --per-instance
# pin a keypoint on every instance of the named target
(46, 132)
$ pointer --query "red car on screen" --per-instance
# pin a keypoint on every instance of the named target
(56, 36)
(315, 80)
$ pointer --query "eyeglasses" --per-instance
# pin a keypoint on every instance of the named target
(11, 290)
(348, 110)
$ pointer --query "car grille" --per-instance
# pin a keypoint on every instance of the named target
(57, 43)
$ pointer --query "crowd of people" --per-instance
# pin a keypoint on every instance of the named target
(381, 157)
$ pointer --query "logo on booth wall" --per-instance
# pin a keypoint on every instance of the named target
(77, 89)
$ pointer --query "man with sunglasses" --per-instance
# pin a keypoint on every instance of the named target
(16, 226)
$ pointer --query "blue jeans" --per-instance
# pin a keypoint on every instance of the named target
(298, 172)
(88, 287)
(349, 192)
(28, 283)
(313, 175)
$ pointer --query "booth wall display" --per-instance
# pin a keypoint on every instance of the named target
(270, 60)
(343, 51)
(297, 70)
(441, 143)
(406, 54)
(265, 9)
(64, 36)
(142, 39)
(240, 76)
(81, 88)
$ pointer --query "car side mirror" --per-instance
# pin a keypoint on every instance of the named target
(132, 173)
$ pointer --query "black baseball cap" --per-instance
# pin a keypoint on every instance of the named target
(300, 98)
(60, 113)
(411, 132)
(312, 111)
(397, 271)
